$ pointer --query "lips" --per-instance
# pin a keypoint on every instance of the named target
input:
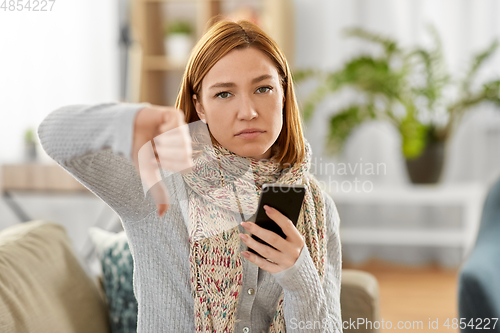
(250, 133)
(250, 130)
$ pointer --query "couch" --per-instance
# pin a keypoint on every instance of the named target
(45, 289)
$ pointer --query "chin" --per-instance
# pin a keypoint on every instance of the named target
(254, 152)
(251, 148)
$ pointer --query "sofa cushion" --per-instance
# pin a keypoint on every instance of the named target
(359, 298)
(117, 266)
(43, 288)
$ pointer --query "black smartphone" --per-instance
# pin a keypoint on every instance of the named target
(287, 199)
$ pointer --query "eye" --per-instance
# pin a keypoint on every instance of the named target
(223, 94)
(262, 90)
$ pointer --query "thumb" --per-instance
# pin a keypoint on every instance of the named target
(165, 117)
(151, 178)
(164, 126)
(161, 197)
(162, 208)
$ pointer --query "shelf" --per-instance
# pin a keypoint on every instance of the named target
(406, 237)
(153, 74)
(161, 63)
(38, 177)
(432, 195)
(469, 197)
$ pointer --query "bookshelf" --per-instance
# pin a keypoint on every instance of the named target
(35, 178)
(153, 77)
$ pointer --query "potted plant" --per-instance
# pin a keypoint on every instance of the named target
(407, 87)
(30, 150)
(178, 41)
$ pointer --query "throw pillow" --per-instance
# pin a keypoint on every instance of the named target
(117, 269)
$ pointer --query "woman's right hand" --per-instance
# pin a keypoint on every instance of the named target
(165, 126)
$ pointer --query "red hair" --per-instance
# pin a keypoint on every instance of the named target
(220, 39)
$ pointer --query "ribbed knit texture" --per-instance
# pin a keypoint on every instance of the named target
(93, 143)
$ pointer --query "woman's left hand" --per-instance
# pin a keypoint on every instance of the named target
(287, 250)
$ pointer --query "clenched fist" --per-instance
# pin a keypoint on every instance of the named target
(161, 139)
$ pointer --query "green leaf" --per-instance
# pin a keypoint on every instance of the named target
(29, 135)
(341, 125)
(413, 136)
(492, 91)
(310, 105)
(179, 27)
(477, 62)
(371, 75)
(389, 45)
(434, 70)
(304, 74)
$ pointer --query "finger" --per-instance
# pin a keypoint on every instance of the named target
(162, 209)
(177, 166)
(181, 117)
(268, 236)
(284, 223)
(172, 118)
(262, 249)
(173, 156)
(174, 144)
(179, 125)
(175, 149)
(160, 195)
(150, 176)
(174, 137)
(172, 128)
(155, 150)
(261, 262)
(148, 166)
(174, 153)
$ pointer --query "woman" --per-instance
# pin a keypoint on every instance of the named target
(187, 277)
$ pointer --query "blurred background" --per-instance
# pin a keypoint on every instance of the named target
(401, 105)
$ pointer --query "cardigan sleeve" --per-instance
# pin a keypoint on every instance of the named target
(93, 143)
(308, 304)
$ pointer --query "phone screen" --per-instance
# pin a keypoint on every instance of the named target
(287, 199)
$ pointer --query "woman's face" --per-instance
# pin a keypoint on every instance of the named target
(242, 102)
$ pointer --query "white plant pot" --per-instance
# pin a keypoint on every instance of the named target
(30, 151)
(178, 47)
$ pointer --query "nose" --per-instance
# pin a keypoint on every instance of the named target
(246, 109)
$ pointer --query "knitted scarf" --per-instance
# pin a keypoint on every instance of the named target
(224, 188)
